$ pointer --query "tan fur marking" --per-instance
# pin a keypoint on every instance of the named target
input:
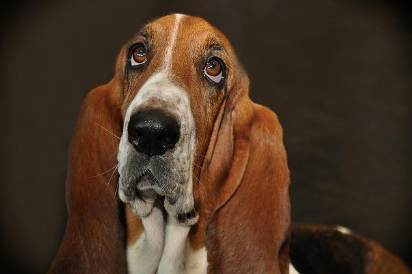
(134, 226)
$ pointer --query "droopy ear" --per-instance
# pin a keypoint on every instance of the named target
(252, 213)
(94, 240)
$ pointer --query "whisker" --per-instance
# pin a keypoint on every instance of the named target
(114, 153)
(128, 215)
(201, 156)
(108, 183)
(100, 174)
(102, 127)
(200, 183)
(207, 160)
(117, 107)
(197, 165)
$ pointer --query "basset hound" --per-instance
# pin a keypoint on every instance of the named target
(200, 183)
(201, 168)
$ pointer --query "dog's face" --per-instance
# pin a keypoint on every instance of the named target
(175, 75)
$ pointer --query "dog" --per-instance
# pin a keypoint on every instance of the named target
(200, 183)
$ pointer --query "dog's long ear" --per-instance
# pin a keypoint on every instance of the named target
(252, 211)
(94, 238)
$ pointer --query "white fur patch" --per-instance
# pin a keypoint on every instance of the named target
(344, 230)
(292, 270)
(144, 255)
(172, 260)
(171, 46)
(196, 261)
(176, 256)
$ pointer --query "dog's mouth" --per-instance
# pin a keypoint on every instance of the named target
(146, 189)
(146, 182)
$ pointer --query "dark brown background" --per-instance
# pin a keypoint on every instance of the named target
(337, 72)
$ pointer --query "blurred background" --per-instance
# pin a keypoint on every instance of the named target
(337, 72)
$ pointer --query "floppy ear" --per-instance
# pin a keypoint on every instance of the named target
(249, 229)
(94, 240)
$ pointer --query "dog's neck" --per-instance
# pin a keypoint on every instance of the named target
(164, 248)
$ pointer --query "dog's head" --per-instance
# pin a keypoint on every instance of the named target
(176, 75)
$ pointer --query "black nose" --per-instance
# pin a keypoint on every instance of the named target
(153, 132)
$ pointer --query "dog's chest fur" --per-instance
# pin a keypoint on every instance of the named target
(163, 248)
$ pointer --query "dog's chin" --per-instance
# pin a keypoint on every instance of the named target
(179, 204)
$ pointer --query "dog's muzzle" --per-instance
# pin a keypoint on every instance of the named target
(155, 164)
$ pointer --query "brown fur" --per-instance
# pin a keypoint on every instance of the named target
(94, 241)
(324, 249)
(134, 226)
(242, 178)
(380, 261)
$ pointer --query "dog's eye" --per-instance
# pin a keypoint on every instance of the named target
(138, 55)
(214, 70)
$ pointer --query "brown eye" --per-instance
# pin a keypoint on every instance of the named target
(138, 55)
(214, 70)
